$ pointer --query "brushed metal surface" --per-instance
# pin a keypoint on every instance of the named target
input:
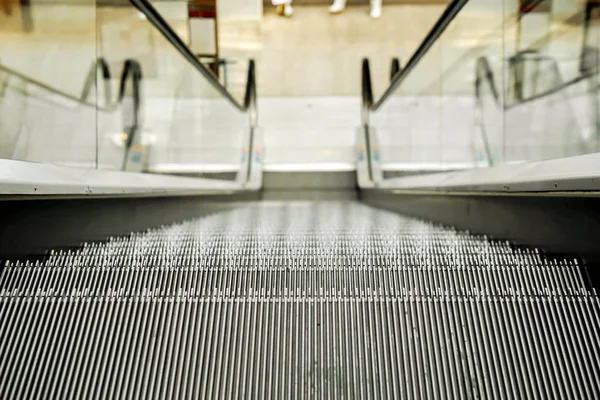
(298, 300)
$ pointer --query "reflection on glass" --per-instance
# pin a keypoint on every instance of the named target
(47, 99)
(507, 81)
(188, 127)
(97, 85)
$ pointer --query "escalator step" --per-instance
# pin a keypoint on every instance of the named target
(299, 300)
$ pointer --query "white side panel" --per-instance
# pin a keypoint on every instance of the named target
(24, 178)
(581, 173)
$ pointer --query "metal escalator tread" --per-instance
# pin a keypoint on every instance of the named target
(298, 300)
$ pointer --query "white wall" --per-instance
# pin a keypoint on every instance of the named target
(240, 9)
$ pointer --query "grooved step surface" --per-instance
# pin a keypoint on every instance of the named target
(298, 300)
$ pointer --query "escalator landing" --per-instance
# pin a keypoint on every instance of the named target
(297, 300)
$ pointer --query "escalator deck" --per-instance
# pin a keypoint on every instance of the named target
(298, 300)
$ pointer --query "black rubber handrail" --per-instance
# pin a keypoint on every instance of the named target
(159, 23)
(165, 29)
(367, 103)
(440, 26)
(250, 105)
(134, 69)
(451, 11)
(366, 83)
(250, 94)
(394, 68)
(90, 81)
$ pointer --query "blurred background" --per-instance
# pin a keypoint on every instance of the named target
(458, 109)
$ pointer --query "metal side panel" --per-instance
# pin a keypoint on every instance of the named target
(559, 222)
(299, 300)
(31, 227)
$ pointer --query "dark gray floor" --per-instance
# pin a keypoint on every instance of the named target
(299, 300)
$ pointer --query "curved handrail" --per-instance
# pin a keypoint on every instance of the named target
(440, 26)
(250, 94)
(394, 68)
(442, 23)
(250, 105)
(134, 69)
(367, 103)
(165, 29)
(366, 84)
(154, 17)
(102, 65)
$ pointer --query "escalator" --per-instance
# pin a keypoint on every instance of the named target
(282, 300)
(469, 284)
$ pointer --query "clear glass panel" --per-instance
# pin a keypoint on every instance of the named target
(47, 55)
(469, 123)
(544, 82)
(488, 129)
(588, 99)
(514, 81)
(97, 85)
(52, 42)
(409, 125)
(187, 126)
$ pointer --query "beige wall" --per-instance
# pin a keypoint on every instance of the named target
(240, 9)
